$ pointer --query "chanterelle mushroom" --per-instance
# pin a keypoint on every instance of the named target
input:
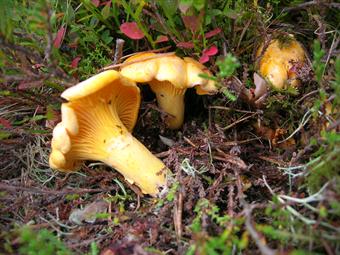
(169, 77)
(278, 60)
(96, 125)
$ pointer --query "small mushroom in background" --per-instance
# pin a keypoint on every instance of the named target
(96, 125)
(255, 96)
(169, 77)
(277, 64)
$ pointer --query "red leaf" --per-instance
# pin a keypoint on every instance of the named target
(204, 59)
(185, 45)
(191, 22)
(131, 30)
(162, 38)
(59, 38)
(96, 2)
(211, 51)
(5, 123)
(75, 62)
(213, 33)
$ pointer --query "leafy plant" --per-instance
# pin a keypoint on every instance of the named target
(230, 238)
(318, 65)
(42, 242)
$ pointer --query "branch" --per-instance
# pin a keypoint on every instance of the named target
(15, 189)
(247, 210)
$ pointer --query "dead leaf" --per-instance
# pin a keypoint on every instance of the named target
(89, 213)
(167, 141)
(274, 135)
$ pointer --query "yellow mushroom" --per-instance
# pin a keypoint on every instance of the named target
(277, 62)
(96, 124)
(169, 77)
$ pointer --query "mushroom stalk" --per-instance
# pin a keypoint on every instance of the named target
(137, 164)
(171, 100)
(110, 142)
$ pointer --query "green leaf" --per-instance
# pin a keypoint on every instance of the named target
(318, 65)
(228, 94)
(169, 7)
(199, 4)
(94, 248)
(4, 135)
(106, 11)
(227, 66)
(106, 37)
(69, 14)
(38, 117)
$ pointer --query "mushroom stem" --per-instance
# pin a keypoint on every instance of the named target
(171, 100)
(136, 163)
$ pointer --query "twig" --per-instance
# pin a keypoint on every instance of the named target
(295, 213)
(147, 51)
(48, 48)
(307, 95)
(13, 188)
(88, 241)
(229, 109)
(243, 33)
(247, 210)
(19, 48)
(163, 154)
(304, 121)
(55, 228)
(254, 234)
(118, 51)
(231, 200)
(232, 160)
(310, 4)
(334, 45)
(160, 55)
(178, 211)
(190, 142)
(239, 121)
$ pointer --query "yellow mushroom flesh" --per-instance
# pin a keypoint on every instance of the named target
(169, 77)
(277, 61)
(105, 119)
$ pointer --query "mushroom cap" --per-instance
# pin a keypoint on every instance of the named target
(202, 85)
(277, 61)
(107, 87)
(181, 73)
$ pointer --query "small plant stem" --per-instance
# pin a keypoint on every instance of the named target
(118, 51)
